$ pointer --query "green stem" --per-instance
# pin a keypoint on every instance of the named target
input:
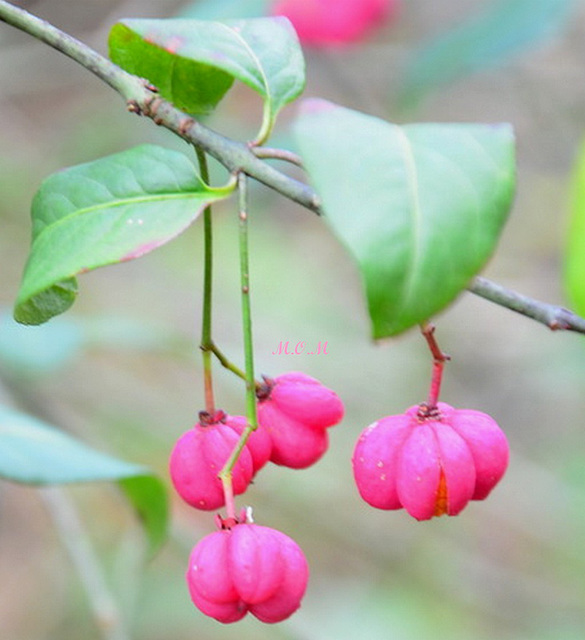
(223, 360)
(206, 339)
(246, 308)
(251, 413)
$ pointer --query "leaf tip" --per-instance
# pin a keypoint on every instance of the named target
(42, 306)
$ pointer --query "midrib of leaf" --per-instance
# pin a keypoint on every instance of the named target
(416, 217)
(172, 71)
(254, 58)
(497, 172)
(465, 178)
(123, 203)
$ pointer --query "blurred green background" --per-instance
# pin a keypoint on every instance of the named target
(122, 369)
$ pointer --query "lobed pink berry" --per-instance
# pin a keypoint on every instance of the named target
(200, 454)
(247, 568)
(296, 411)
(322, 23)
(431, 462)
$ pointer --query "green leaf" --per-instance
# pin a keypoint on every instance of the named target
(192, 62)
(224, 9)
(420, 207)
(574, 273)
(33, 452)
(111, 210)
(191, 86)
(503, 29)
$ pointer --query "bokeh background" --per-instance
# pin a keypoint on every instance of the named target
(122, 370)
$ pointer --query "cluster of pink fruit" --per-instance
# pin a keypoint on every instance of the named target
(431, 460)
(244, 567)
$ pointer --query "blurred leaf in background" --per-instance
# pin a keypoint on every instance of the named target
(33, 452)
(31, 353)
(502, 30)
(48, 348)
(224, 9)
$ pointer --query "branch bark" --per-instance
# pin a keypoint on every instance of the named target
(143, 100)
(238, 157)
(554, 317)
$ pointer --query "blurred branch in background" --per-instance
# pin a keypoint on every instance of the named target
(83, 556)
(500, 31)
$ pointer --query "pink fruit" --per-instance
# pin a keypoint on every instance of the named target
(430, 462)
(247, 568)
(200, 454)
(259, 442)
(296, 411)
(322, 23)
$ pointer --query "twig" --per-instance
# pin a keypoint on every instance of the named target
(278, 154)
(554, 317)
(142, 99)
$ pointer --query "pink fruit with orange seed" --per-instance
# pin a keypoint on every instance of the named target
(247, 568)
(296, 410)
(431, 462)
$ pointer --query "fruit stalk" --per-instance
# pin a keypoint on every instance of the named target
(439, 359)
(227, 364)
(251, 412)
(206, 339)
(246, 309)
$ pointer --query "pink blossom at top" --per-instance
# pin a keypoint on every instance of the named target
(247, 568)
(430, 462)
(322, 23)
